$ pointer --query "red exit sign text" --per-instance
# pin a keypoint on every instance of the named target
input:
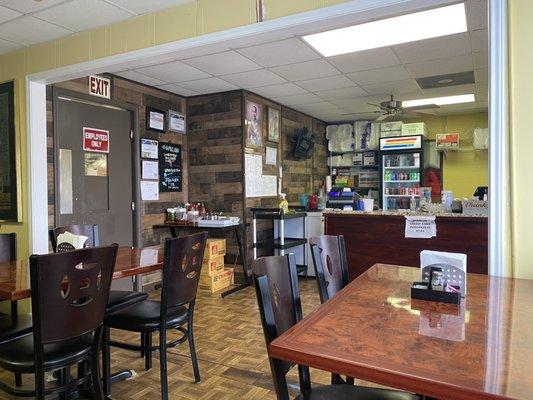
(99, 86)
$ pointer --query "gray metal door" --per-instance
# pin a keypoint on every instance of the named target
(94, 188)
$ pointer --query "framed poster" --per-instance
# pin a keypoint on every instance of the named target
(254, 124)
(155, 119)
(271, 156)
(176, 121)
(273, 125)
(149, 149)
(170, 172)
(9, 196)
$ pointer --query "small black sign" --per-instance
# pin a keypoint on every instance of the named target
(170, 172)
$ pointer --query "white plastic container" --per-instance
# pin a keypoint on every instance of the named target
(368, 205)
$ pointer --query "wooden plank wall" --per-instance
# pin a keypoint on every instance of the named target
(215, 155)
(140, 96)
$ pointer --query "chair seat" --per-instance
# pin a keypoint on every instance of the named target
(18, 355)
(145, 316)
(120, 299)
(348, 392)
(13, 328)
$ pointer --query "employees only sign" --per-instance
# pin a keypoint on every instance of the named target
(420, 227)
(95, 140)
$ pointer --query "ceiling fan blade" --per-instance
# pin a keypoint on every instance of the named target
(424, 107)
(375, 105)
(420, 113)
(382, 117)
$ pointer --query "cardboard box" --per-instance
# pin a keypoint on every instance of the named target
(416, 128)
(218, 281)
(211, 266)
(215, 247)
(393, 126)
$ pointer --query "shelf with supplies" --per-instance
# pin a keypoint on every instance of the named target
(404, 181)
(404, 167)
(401, 195)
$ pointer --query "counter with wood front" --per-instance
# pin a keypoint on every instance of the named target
(379, 237)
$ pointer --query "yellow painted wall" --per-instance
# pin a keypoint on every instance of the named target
(521, 121)
(467, 169)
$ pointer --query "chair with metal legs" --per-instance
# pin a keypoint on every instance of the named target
(181, 275)
(69, 296)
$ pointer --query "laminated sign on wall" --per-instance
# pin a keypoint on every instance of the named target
(420, 227)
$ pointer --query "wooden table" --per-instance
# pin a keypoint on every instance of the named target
(15, 276)
(372, 330)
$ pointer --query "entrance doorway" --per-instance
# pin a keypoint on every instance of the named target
(94, 179)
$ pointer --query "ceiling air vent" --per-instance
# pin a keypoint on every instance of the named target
(432, 82)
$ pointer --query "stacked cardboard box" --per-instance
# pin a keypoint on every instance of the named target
(214, 276)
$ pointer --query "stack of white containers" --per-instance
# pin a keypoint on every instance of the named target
(340, 140)
(366, 135)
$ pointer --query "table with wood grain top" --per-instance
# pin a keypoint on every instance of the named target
(15, 276)
(372, 330)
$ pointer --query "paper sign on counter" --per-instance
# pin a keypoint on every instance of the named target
(420, 227)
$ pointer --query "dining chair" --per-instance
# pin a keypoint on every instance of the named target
(70, 291)
(118, 299)
(280, 308)
(181, 274)
(331, 271)
(12, 326)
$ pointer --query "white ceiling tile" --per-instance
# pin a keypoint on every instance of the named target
(172, 87)
(477, 14)
(173, 72)
(284, 89)
(481, 74)
(80, 15)
(26, 6)
(402, 87)
(365, 60)
(299, 99)
(434, 49)
(198, 51)
(143, 6)
(481, 59)
(361, 103)
(306, 70)
(447, 91)
(287, 51)
(339, 94)
(6, 14)
(209, 85)
(331, 82)
(223, 63)
(252, 79)
(138, 77)
(440, 67)
(6, 46)
(380, 75)
(320, 106)
(480, 40)
(28, 30)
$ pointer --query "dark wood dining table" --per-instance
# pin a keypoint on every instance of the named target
(374, 331)
(131, 261)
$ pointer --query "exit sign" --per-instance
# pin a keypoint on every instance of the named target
(99, 86)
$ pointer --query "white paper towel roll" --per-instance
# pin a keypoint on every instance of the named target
(328, 184)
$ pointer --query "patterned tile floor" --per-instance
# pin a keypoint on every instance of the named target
(230, 348)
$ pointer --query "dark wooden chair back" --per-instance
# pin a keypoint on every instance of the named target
(8, 247)
(70, 292)
(181, 269)
(331, 266)
(276, 287)
(91, 231)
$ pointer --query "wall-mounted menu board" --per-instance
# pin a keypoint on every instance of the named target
(170, 169)
(9, 210)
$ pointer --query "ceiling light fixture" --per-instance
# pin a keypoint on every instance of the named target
(391, 31)
(440, 101)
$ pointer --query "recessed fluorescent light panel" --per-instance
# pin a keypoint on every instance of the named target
(391, 31)
(440, 101)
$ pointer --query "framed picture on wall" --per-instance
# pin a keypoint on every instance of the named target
(273, 125)
(254, 124)
(155, 120)
(9, 195)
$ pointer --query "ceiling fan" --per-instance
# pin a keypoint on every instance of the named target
(393, 110)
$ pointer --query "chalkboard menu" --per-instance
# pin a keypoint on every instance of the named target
(170, 172)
